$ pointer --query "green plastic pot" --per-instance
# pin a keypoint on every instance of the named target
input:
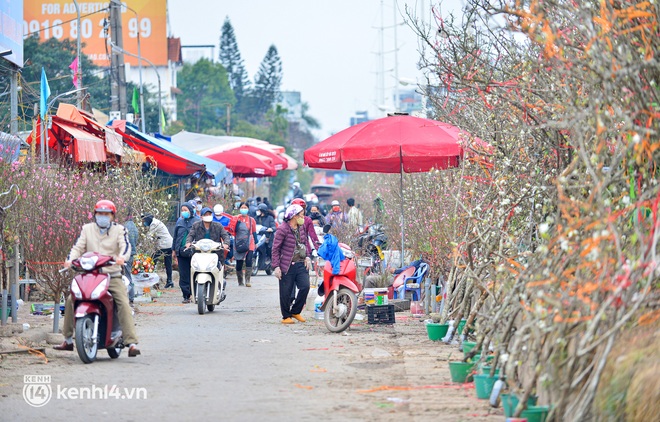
(436, 331)
(535, 413)
(483, 384)
(510, 402)
(468, 346)
(461, 371)
(485, 369)
(460, 326)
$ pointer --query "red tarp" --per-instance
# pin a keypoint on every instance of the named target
(87, 147)
(166, 161)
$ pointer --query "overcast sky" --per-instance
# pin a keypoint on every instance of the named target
(329, 48)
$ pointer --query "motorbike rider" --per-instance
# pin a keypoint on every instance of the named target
(106, 237)
(336, 217)
(266, 219)
(209, 229)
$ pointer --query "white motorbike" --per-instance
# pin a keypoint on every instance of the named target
(207, 275)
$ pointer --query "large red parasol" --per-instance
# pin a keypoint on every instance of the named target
(390, 145)
(395, 144)
(279, 162)
(244, 163)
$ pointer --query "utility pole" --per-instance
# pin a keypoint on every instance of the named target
(13, 123)
(118, 71)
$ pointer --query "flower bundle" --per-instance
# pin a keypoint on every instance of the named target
(143, 264)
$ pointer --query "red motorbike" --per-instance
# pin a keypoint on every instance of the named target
(340, 292)
(94, 309)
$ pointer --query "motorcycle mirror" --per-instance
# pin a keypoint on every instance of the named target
(326, 228)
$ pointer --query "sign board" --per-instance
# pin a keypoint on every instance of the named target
(11, 32)
(58, 19)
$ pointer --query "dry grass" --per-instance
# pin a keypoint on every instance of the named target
(630, 386)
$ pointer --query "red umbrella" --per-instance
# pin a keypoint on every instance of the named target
(244, 163)
(279, 162)
(394, 144)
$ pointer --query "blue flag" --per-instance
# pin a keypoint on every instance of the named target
(45, 93)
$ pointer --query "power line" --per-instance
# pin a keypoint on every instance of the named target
(63, 22)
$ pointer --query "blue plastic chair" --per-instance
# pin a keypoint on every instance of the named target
(415, 283)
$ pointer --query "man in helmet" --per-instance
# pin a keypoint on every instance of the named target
(106, 237)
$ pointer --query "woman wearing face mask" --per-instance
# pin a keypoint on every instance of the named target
(336, 217)
(180, 247)
(240, 257)
(291, 263)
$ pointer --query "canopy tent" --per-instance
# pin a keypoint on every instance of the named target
(170, 158)
(199, 142)
(245, 163)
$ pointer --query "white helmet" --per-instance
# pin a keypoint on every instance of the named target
(218, 209)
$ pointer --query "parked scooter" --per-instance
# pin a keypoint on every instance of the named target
(373, 241)
(340, 290)
(94, 309)
(207, 275)
(261, 257)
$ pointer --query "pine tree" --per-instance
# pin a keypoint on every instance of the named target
(267, 84)
(230, 58)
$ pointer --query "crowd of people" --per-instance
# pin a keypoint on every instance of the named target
(291, 245)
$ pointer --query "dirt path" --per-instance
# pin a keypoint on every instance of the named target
(239, 363)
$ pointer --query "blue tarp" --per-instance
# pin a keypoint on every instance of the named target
(219, 171)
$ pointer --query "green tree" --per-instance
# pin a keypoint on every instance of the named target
(54, 56)
(311, 121)
(230, 58)
(267, 82)
(206, 95)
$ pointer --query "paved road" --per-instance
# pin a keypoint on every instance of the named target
(240, 363)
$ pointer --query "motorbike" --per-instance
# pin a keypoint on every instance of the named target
(373, 241)
(207, 275)
(261, 257)
(340, 292)
(94, 308)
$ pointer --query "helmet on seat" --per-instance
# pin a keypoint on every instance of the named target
(105, 205)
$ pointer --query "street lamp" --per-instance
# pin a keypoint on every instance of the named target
(121, 50)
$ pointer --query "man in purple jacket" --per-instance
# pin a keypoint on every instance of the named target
(291, 262)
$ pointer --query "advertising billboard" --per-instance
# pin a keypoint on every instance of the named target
(145, 20)
(11, 34)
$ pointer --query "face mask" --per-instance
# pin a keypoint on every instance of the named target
(103, 221)
(336, 208)
(258, 212)
(207, 218)
(198, 207)
(185, 214)
(301, 221)
(315, 214)
(243, 211)
(146, 224)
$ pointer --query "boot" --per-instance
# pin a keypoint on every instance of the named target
(239, 274)
(248, 274)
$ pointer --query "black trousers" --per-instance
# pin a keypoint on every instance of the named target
(184, 276)
(297, 276)
(167, 254)
(248, 261)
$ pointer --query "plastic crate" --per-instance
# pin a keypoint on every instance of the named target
(380, 314)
